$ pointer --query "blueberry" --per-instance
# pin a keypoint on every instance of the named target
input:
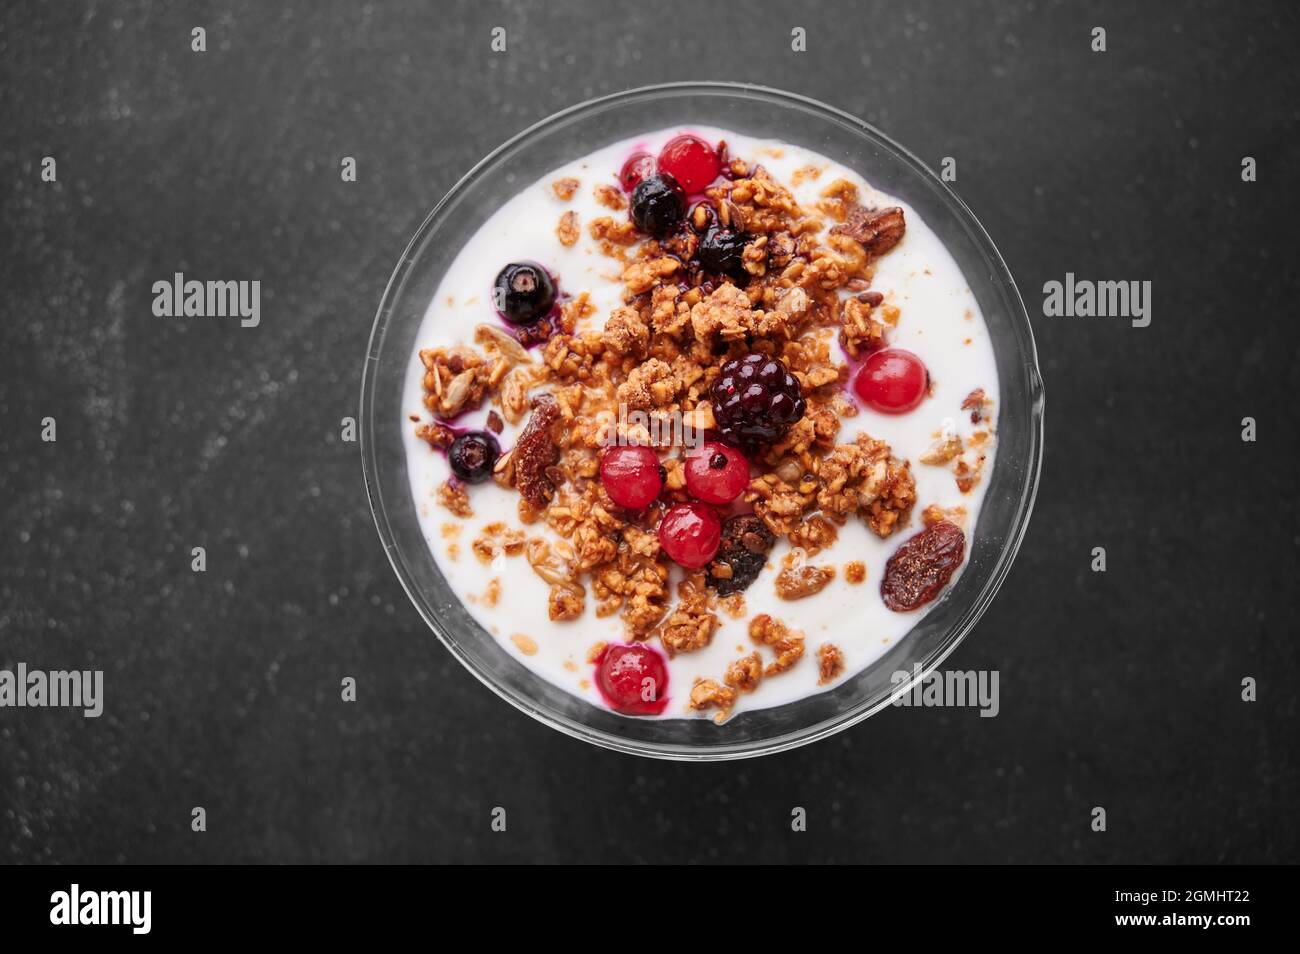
(523, 293)
(658, 204)
(722, 251)
(473, 455)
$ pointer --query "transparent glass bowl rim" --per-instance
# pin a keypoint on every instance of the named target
(813, 733)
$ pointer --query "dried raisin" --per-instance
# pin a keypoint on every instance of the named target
(742, 554)
(536, 451)
(920, 569)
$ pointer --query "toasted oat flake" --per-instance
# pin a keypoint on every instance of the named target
(524, 644)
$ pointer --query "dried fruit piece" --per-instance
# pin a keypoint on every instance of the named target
(876, 230)
(920, 569)
(536, 452)
(741, 555)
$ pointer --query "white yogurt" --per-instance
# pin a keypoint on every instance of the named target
(941, 322)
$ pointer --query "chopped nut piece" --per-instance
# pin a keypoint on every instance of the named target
(876, 230)
(707, 694)
(611, 197)
(542, 558)
(967, 470)
(565, 602)
(935, 514)
(606, 229)
(689, 627)
(745, 673)
(788, 652)
(498, 538)
(565, 188)
(830, 663)
(942, 450)
(788, 646)
(979, 405)
(794, 583)
(454, 497)
(567, 231)
(855, 571)
(813, 535)
(438, 435)
(640, 276)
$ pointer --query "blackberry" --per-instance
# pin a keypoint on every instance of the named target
(523, 293)
(746, 541)
(756, 399)
(721, 250)
(473, 455)
(658, 204)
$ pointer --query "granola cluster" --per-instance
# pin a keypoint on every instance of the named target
(965, 460)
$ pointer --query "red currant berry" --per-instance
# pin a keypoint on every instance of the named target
(892, 381)
(691, 161)
(638, 166)
(716, 473)
(633, 679)
(631, 476)
(690, 533)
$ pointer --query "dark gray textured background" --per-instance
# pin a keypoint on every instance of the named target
(1118, 689)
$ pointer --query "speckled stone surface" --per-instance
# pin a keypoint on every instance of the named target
(1119, 690)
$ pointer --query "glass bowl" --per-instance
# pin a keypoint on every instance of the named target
(762, 113)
